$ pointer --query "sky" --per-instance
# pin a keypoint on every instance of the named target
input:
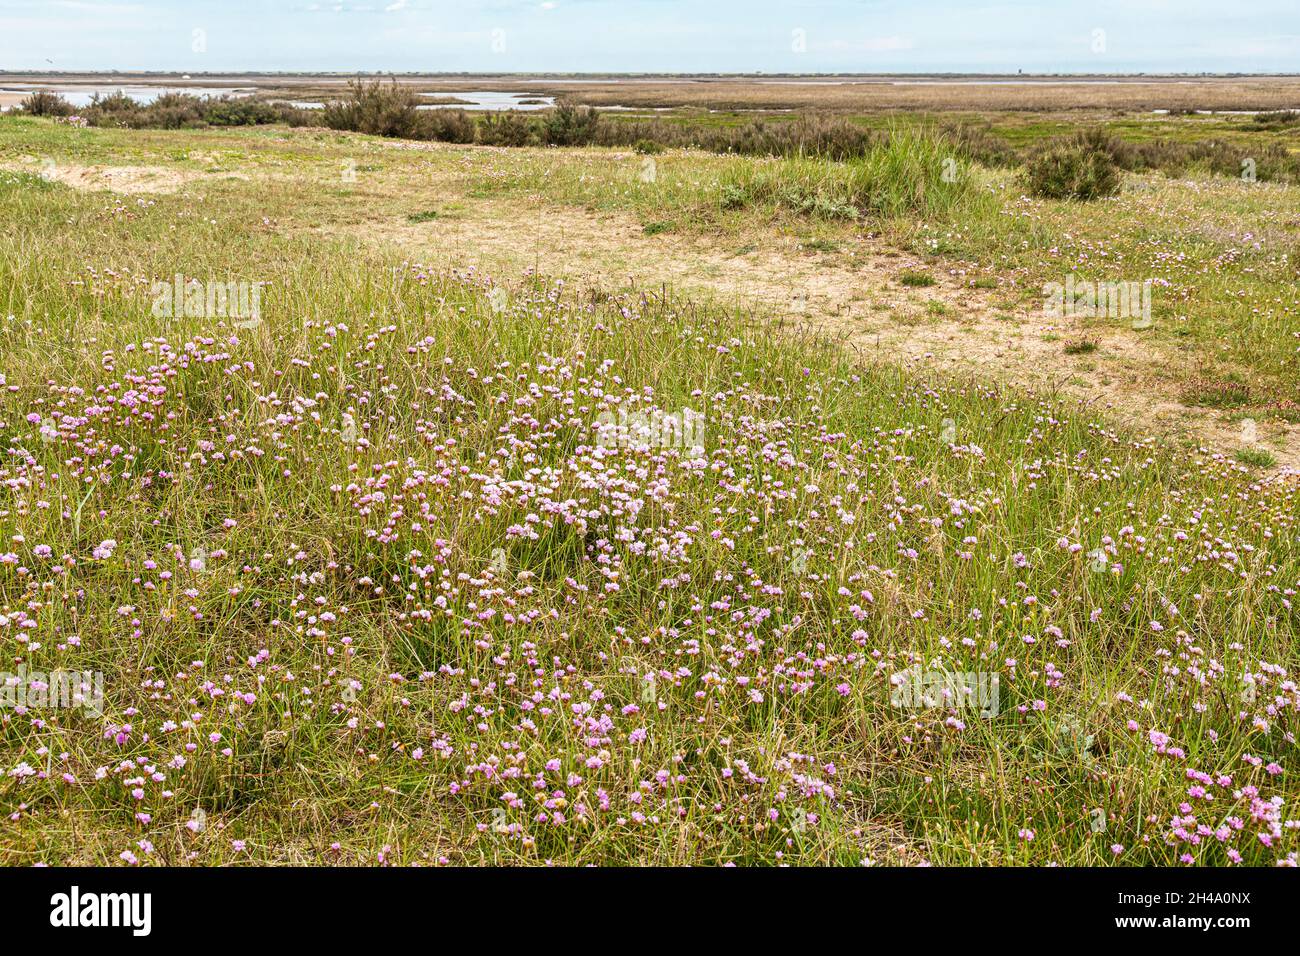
(731, 36)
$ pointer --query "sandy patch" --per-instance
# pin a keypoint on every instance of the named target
(129, 180)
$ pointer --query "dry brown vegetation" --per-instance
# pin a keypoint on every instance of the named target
(857, 93)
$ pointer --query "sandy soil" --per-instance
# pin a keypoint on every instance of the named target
(128, 180)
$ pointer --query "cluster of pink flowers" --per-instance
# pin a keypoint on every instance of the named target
(422, 559)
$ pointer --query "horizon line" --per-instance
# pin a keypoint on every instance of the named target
(652, 73)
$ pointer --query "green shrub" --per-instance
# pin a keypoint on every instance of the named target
(980, 144)
(377, 108)
(171, 111)
(507, 128)
(1271, 163)
(805, 135)
(46, 103)
(821, 136)
(186, 111)
(117, 102)
(447, 126)
(115, 109)
(1074, 170)
(570, 126)
(1277, 119)
(228, 112)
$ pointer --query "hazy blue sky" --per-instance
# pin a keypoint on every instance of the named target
(649, 35)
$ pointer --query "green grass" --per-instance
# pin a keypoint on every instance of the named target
(469, 632)
(914, 174)
(1256, 458)
(1233, 299)
(1218, 394)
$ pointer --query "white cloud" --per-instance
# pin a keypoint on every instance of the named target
(395, 6)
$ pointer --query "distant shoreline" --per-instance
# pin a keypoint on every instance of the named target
(844, 93)
(165, 76)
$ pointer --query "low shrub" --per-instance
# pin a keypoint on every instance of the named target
(46, 103)
(448, 126)
(1277, 119)
(228, 112)
(507, 129)
(1081, 169)
(570, 126)
(186, 111)
(377, 108)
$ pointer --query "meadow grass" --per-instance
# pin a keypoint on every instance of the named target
(911, 174)
(406, 568)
